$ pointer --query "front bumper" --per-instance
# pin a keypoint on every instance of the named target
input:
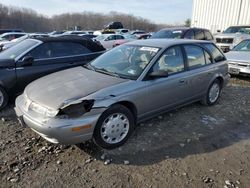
(225, 47)
(56, 130)
(239, 69)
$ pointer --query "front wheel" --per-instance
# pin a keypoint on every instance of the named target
(3, 98)
(213, 93)
(114, 127)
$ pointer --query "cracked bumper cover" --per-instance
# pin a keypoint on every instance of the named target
(57, 130)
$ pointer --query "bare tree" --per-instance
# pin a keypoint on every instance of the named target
(30, 21)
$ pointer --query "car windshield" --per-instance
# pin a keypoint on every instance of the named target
(18, 49)
(245, 30)
(243, 46)
(125, 61)
(167, 34)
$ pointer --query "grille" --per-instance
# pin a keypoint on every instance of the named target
(224, 40)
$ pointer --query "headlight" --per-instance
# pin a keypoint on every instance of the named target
(42, 110)
(76, 110)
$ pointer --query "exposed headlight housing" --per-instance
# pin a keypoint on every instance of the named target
(76, 110)
(33, 106)
(42, 110)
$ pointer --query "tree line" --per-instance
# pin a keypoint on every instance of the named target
(30, 21)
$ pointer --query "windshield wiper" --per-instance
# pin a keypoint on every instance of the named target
(90, 67)
(105, 71)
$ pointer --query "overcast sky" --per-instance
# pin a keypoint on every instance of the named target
(158, 11)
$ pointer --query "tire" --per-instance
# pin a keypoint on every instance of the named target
(213, 93)
(3, 98)
(114, 127)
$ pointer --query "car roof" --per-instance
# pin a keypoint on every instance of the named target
(239, 26)
(77, 39)
(164, 43)
(67, 38)
(184, 28)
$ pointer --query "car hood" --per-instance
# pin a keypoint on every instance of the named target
(238, 56)
(55, 89)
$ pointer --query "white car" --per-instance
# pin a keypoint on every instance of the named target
(108, 40)
(239, 59)
(10, 36)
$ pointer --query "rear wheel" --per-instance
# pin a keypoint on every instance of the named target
(114, 127)
(3, 98)
(213, 93)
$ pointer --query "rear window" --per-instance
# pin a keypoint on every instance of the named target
(208, 35)
(167, 34)
(216, 53)
(199, 35)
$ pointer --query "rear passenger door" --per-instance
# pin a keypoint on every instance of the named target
(48, 58)
(200, 70)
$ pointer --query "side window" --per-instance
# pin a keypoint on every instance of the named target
(217, 55)
(189, 34)
(42, 51)
(112, 37)
(119, 37)
(195, 56)
(199, 35)
(208, 58)
(171, 61)
(60, 49)
(208, 35)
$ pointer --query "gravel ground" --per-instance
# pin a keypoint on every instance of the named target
(195, 146)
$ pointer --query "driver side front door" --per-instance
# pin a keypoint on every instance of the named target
(166, 92)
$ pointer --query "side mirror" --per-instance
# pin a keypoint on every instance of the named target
(218, 31)
(158, 74)
(27, 60)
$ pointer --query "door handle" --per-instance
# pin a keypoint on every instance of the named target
(181, 81)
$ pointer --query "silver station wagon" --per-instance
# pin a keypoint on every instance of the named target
(105, 99)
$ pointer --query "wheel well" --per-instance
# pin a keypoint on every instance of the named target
(130, 106)
(220, 80)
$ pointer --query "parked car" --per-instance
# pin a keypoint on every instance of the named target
(127, 38)
(107, 40)
(231, 37)
(113, 25)
(130, 83)
(184, 33)
(11, 36)
(137, 33)
(75, 32)
(122, 31)
(7, 44)
(87, 36)
(56, 32)
(33, 58)
(144, 36)
(2, 31)
(239, 58)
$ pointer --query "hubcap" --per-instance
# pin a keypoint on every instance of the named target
(214, 92)
(115, 128)
(1, 98)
